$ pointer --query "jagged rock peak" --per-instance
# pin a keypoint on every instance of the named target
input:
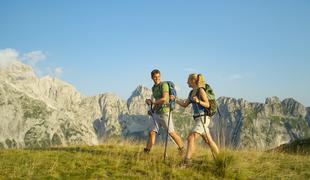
(293, 107)
(141, 90)
(110, 98)
(48, 82)
(136, 102)
(272, 100)
(230, 100)
(290, 101)
(16, 69)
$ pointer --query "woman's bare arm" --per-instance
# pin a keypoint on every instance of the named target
(183, 103)
(204, 98)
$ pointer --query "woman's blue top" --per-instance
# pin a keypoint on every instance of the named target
(197, 108)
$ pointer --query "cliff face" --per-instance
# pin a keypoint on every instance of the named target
(38, 112)
(259, 125)
(41, 112)
(137, 123)
(308, 115)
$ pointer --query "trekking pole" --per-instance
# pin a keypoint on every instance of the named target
(204, 128)
(167, 136)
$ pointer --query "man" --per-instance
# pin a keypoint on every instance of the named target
(161, 111)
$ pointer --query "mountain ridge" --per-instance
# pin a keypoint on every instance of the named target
(46, 111)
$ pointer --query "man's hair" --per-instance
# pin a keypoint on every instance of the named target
(155, 71)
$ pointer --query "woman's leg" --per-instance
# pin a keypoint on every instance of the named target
(191, 145)
(208, 139)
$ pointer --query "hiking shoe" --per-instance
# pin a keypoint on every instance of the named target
(185, 163)
(146, 150)
(181, 151)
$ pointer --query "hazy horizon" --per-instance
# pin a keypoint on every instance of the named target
(251, 50)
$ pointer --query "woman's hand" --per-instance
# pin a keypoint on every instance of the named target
(196, 99)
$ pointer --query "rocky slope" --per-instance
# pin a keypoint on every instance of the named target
(40, 112)
(300, 147)
(242, 124)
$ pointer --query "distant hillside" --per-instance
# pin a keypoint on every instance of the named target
(44, 112)
(300, 146)
(242, 124)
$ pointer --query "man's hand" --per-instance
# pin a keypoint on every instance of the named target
(196, 99)
(148, 102)
(172, 98)
(150, 112)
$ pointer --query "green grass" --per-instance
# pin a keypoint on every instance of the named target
(126, 160)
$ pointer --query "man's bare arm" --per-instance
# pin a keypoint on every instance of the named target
(162, 100)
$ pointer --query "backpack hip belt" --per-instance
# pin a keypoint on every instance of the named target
(201, 115)
(198, 115)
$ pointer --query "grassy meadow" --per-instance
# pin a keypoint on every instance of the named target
(126, 160)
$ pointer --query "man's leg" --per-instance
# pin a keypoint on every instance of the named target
(165, 121)
(176, 138)
(151, 140)
(208, 139)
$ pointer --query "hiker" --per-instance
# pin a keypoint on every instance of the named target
(160, 112)
(200, 104)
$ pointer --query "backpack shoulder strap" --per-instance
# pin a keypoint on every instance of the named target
(190, 96)
(198, 92)
(161, 86)
(190, 93)
(153, 88)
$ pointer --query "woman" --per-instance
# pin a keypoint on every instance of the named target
(199, 100)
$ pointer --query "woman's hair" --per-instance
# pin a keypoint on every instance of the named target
(193, 76)
(198, 78)
(201, 81)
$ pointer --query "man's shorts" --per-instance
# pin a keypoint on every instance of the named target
(162, 121)
(199, 127)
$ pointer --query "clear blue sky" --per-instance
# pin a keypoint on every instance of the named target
(250, 49)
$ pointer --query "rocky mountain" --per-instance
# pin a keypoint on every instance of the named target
(41, 112)
(308, 115)
(36, 112)
(242, 124)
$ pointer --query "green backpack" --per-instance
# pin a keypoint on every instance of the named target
(212, 100)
